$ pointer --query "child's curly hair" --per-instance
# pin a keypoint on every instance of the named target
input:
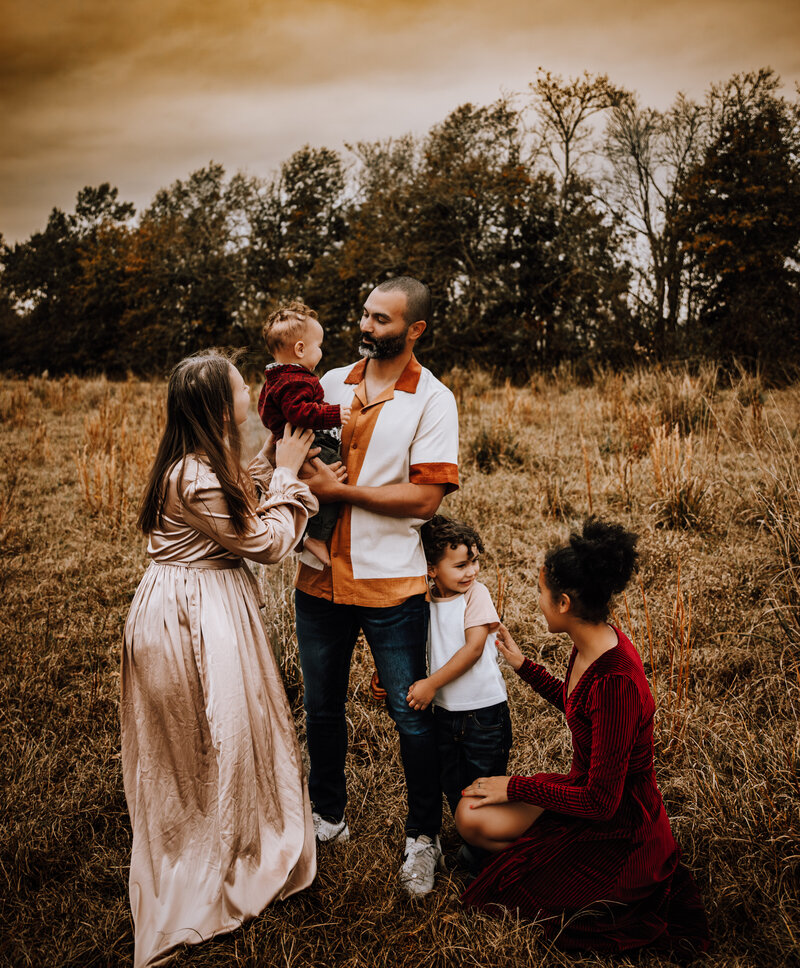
(441, 533)
(287, 325)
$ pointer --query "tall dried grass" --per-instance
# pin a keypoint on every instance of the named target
(778, 497)
(116, 456)
(681, 486)
(668, 652)
(714, 618)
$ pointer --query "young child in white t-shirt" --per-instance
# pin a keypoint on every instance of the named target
(465, 685)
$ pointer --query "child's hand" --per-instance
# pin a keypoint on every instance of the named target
(420, 694)
(508, 648)
(345, 413)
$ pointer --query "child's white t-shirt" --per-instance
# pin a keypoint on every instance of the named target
(482, 684)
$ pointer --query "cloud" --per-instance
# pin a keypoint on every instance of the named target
(142, 92)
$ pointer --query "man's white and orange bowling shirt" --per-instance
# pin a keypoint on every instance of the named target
(409, 433)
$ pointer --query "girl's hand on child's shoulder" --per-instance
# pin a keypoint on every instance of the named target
(508, 648)
(420, 694)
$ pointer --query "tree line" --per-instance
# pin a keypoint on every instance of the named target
(567, 223)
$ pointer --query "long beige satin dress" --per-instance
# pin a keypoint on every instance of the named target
(211, 765)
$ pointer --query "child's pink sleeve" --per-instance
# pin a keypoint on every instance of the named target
(479, 607)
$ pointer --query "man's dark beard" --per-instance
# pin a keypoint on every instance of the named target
(385, 348)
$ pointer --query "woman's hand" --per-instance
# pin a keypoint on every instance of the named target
(268, 451)
(488, 789)
(292, 449)
(324, 480)
(420, 694)
(508, 648)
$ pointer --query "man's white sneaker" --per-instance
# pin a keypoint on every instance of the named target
(422, 858)
(327, 832)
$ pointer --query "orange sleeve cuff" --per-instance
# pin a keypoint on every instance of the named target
(446, 474)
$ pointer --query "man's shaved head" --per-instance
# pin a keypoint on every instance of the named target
(418, 296)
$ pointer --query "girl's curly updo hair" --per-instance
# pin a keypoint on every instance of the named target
(594, 566)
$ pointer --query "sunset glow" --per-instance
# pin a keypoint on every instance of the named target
(142, 93)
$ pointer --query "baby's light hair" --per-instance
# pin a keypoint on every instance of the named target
(287, 325)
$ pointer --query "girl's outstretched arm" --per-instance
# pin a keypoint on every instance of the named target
(535, 675)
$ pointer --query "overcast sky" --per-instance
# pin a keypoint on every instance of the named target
(141, 92)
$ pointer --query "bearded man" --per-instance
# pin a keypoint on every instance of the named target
(400, 449)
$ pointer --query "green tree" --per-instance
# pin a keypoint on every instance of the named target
(564, 110)
(297, 226)
(66, 297)
(582, 304)
(185, 270)
(740, 224)
(650, 153)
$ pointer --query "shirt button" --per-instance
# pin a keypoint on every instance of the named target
(353, 446)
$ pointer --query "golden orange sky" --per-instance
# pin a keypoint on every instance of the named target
(142, 92)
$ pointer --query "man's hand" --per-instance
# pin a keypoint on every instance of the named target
(326, 481)
(488, 789)
(420, 694)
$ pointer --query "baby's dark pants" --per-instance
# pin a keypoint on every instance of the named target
(324, 521)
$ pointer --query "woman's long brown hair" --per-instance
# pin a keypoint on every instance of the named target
(200, 419)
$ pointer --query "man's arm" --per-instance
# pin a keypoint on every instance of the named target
(393, 500)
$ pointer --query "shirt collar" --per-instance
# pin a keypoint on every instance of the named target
(407, 381)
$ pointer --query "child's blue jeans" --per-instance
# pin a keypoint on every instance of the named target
(471, 743)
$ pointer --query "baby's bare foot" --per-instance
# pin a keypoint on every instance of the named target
(318, 549)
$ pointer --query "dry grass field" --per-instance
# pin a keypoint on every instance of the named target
(708, 474)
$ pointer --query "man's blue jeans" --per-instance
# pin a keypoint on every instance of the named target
(397, 636)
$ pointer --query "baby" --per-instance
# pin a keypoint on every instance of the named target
(292, 394)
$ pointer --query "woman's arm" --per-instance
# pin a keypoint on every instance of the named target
(535, 675)
(614, 710)
(276, 529)
(270, 535)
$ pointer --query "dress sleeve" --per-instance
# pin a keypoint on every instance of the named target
(614, 709)
(269, 537)
(546, 685)
(260, 469)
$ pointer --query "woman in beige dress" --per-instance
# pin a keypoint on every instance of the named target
(211, 765)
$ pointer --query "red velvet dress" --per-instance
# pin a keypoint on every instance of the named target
(600, 868)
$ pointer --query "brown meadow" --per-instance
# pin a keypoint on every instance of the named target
(708, 474)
